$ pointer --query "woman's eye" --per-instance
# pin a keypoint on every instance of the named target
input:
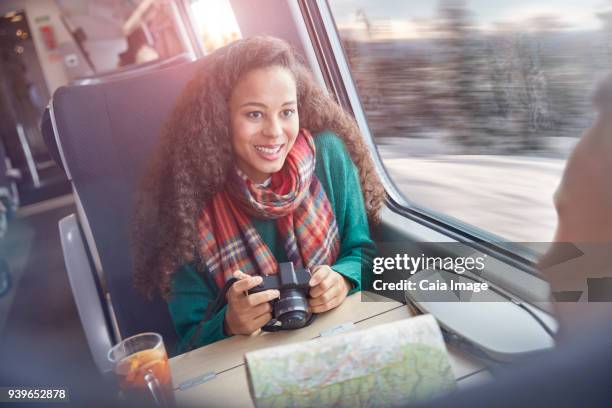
(255, 115)
(288, 113)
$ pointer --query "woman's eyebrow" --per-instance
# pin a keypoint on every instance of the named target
(263, 105)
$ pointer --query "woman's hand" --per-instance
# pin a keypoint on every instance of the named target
(328, 289)
(247, 313)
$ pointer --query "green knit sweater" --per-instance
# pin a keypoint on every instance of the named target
(191, 291)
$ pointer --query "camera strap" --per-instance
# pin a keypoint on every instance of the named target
(212, 309)
(272, 327)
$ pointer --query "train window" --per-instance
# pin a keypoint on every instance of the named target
(215, 23)
(473, 106)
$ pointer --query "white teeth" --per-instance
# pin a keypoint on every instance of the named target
(268, 150)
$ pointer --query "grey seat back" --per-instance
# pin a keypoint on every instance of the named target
(106, 133)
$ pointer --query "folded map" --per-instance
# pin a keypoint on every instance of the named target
(387, 365)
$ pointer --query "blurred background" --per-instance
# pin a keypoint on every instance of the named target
(475, 105)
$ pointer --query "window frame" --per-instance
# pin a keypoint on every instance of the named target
(183, 8)
(333, 63)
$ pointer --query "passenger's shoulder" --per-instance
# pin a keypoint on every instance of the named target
(333, 160)
(330, 146)
(186, 273)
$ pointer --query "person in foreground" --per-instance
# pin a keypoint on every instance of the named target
(584, 197)
(256, 165)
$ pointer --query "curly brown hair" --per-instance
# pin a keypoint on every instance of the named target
(194, 153)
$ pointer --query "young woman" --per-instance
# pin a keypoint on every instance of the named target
(257, 165)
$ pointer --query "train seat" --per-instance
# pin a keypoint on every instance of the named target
(105, 133)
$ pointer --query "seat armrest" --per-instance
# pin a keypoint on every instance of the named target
(89, 304)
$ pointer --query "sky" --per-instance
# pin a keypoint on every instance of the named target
(405, 16)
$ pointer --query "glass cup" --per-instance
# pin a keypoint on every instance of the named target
(141, 365)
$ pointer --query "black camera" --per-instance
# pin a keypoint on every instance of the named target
(290, 310)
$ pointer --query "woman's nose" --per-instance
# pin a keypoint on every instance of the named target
(273, 128)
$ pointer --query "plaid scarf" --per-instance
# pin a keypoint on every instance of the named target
(294, 198)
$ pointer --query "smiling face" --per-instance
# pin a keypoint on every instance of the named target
(264, 121)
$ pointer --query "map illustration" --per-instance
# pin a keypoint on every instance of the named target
(387, 365)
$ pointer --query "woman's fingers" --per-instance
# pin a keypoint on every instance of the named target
(262, 297)
(243, 284)
(246, 311)
(238, 274)
(328, 293)
(261, 309)
(325, 297)
(332, 303)
(320, 273)
(259, 322)
(327, 283)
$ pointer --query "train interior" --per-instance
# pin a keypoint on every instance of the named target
(470, 111)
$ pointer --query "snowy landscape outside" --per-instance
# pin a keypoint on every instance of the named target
(475, 107)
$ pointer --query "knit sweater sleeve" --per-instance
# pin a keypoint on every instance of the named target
(189, 298)
(340, 179)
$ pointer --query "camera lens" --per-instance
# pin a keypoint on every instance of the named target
(292, 309)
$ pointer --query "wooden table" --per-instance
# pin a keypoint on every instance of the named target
(225, 358)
